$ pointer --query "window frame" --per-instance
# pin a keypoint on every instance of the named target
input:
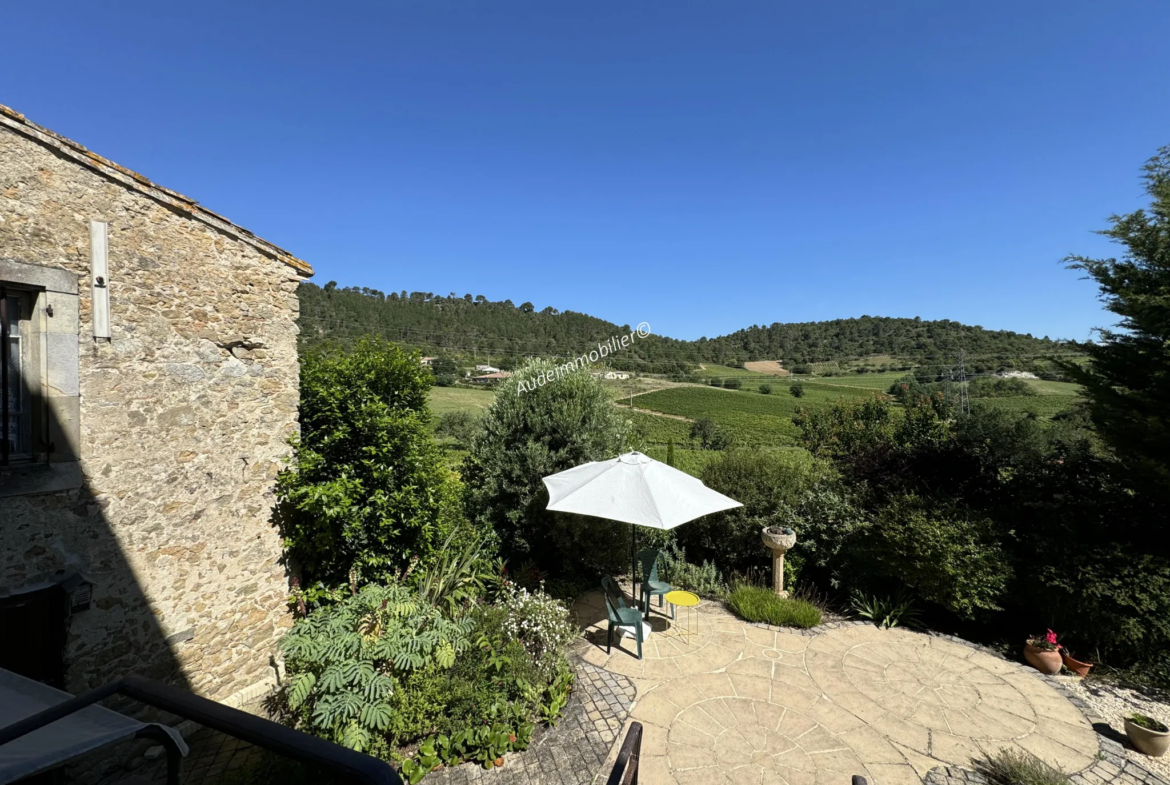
(51, 356)
(30, 433)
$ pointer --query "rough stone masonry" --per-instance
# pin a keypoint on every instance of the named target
(183, 420)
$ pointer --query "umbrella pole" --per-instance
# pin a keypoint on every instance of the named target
(633, 563)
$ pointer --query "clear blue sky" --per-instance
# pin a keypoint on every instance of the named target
(700, 166)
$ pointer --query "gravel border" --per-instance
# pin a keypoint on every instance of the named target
(1115, 702)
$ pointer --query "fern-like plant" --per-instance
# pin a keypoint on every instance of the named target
(342, 660)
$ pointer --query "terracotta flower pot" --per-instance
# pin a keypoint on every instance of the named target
(1076, 666)
(1152, 742)
(1047, 662)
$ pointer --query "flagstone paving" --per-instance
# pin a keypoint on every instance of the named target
(752, 704)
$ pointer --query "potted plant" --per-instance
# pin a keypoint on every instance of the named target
(1043, 653)
(1147, 734)
(1076, 666)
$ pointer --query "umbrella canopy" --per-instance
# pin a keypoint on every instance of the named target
(634, 488)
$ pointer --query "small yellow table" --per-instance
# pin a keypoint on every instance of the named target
(683, 599)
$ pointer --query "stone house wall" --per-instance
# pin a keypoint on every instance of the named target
(185, 414)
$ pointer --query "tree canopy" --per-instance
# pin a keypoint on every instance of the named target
(508, 334)
(1127, 381)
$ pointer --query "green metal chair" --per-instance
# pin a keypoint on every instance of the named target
(619, 613)
(651, 586)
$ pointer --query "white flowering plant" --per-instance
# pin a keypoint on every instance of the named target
(538, 621)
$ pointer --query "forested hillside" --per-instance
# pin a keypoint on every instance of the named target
(807, 342)
(505, 332)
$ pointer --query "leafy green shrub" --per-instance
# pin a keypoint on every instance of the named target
(703, 580)
(367, 487)
(766, 389)
(886, 612)
(734, 383)
(757, 604)
(383, 669)
(342, 660)
(460, 426)
(846, 428)
(1016, 767)
(946, 553)
(766, 483)
(487, 703)
(828, 521)
(710, 435)
(796, 390)
(538, 621)
(525, 436)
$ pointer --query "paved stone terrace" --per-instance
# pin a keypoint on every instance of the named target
(752, 704)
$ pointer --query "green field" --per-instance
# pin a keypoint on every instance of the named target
(1044, 406)
(690, 461)
(1054, 388)
(755, 419)
(459, 399)
(870, 381)
(711, 371)
(652, 429)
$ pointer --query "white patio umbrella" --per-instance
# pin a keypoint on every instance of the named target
(635, 489)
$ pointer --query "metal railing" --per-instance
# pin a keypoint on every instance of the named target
(351, 765)
(625, 769)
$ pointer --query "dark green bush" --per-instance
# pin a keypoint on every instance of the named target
(524, 436)
(796, 390)
(757, 604)
(709, 435)
(766, 389)
(945, 553)
(460, 426)
(734, 383)
(766, 483)
(367, 487)
(383, 669)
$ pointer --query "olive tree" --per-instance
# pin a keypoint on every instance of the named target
(544, 420)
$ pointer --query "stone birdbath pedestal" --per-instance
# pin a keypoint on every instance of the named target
(778, 539)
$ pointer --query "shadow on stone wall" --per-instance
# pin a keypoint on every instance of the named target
(46, 538)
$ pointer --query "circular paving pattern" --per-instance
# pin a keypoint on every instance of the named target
(938, 689)
(745, 704)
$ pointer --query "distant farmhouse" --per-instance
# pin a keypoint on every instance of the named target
(490, 378)
(153, 364)
(428, 361)
(481, 368)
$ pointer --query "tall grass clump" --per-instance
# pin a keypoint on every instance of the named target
(1011, 767)
(757, 604)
